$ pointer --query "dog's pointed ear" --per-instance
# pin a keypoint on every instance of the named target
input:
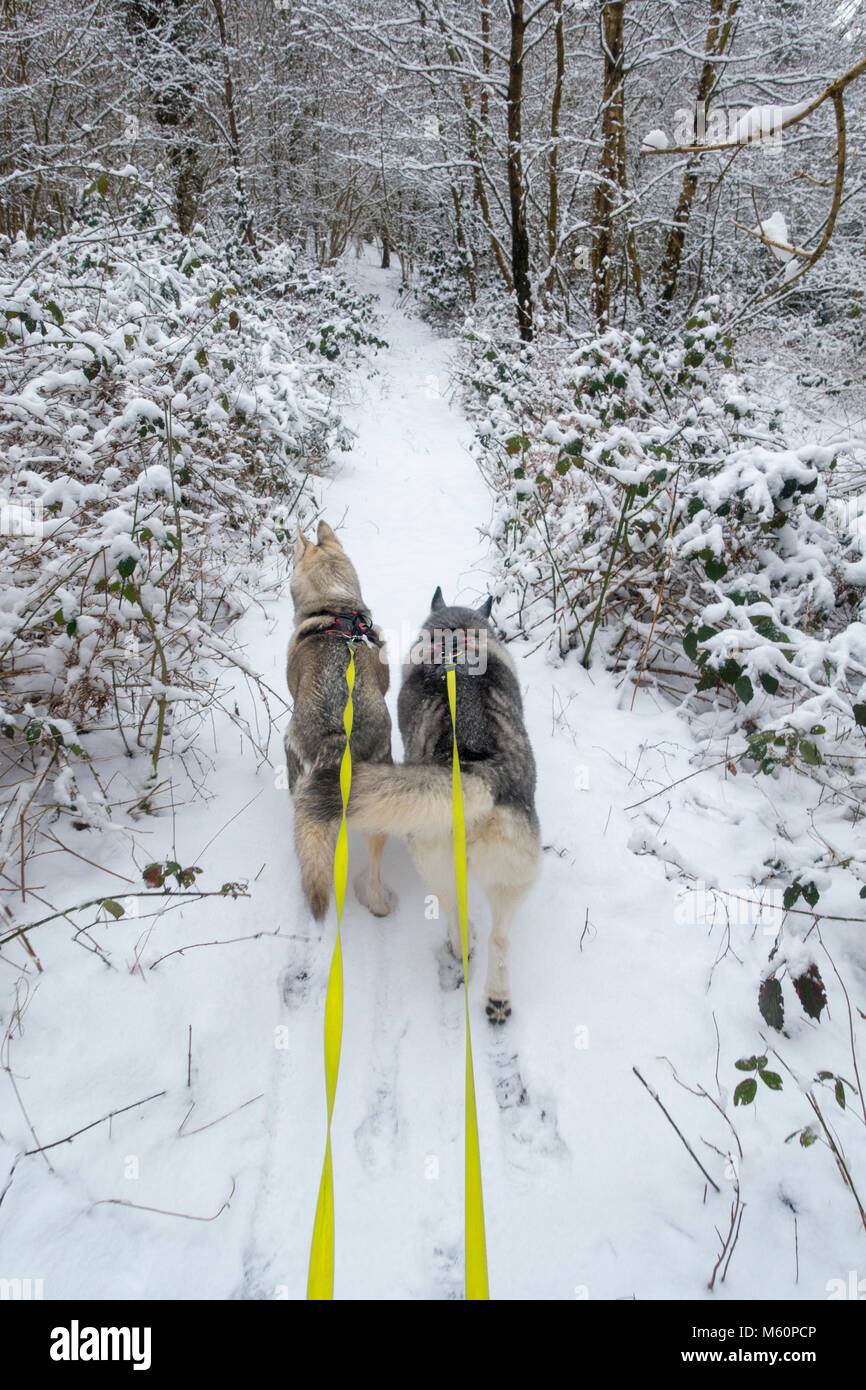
(301, 544)
(325, 535)
(485, 610)
(438, 601)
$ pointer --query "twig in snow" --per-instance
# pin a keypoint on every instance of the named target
(728, 1242)
(670, 787)
(211, 1123)
(8, 1070)
(228, 941)
(8, 1182)
(676, 1127)
(185, 1215)
(850, 1023)
(700, 1091)
(110, 1116)
(834, 1148)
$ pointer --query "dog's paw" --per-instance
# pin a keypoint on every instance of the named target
(498, 1010)
(381, 904)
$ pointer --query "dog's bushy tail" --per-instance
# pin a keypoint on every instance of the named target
(315, 843)
(389, 799)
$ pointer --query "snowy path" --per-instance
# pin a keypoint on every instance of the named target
(588, 1190)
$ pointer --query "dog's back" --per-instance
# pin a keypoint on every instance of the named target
(491, 737)
(502, 841)
(330, 614)
(316, 675)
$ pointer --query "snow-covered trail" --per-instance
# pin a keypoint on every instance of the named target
(588, 1190)
(408, 501)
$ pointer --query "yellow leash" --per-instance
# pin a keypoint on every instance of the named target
(476, 1245)
(320, 1281)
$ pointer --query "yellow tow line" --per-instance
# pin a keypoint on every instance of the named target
(320, 1281)
(476, 1245)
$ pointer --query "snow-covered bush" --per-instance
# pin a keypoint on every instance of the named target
(442, 284)
(642, 508)
(160, 409)
(650, 514)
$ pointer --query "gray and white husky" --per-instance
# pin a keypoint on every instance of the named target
(329, 614)
(498, 777)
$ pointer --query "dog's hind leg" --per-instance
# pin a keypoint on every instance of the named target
(434, 860)
(504, 858)
(504, 903)
(369, 888)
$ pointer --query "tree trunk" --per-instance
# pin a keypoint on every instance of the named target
(246, 217)
(606, 196)
(516, 191)
(718, 38)
(553, 157)
(175, 24)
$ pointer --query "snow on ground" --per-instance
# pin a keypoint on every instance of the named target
(589, 1191)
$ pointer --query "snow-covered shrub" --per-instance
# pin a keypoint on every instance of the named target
(650, 514)
(160, 409)
(442, 286)
(643, 509)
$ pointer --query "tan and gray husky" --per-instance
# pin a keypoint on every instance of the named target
(330, 614)
(498, 776)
